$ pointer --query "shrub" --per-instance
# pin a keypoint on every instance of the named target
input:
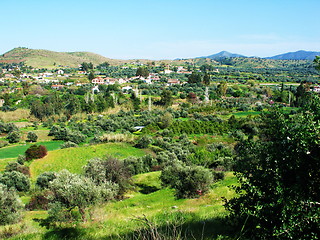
(32, 137)
(72, 193)
(14, 136)
(15, 166)
(102, 171)
(68, 144)
(144, 141)
(10, 205)
(44, 179)
(188, 181)
(38, 201)
(16, 180)
(35, 152)
(21, 159)
(3, 143)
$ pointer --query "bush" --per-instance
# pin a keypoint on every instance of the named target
(102, 171)
(10, 205)
(38, 201)
(35, 152)
(68, 145)
(44, 179)
(144, 141)
(15, 166)
(16, 180)
(14, 136)
(188, 181)
(32, 137)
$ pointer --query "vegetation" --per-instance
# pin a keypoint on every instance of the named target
(187, 149)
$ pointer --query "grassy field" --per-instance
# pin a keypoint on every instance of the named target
(73, 159)
(125, 219)
(14, 151)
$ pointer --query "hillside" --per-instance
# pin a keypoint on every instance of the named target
(49, 59)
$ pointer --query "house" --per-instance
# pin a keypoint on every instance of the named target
(1, 102)
(167, 71)
(173, 81)
(98, 80)
(126, 89)
(95, 89)
(316, 89)
(60, 72)
(57, 87)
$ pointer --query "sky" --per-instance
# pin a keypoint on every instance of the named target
(161, 29)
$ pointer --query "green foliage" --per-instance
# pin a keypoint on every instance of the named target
(44, 179)
(144, 141)
(188, 181)
(71, 192)
(166, 98)
(16, 180)
(68, 144)
(32, 137)
(109, 171)
(35, 152)
(143, 72)
(10, 205)
(279, 177)
(15, 166)
(14, 136)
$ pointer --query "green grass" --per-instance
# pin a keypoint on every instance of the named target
(73, 159)
(4, 162)
(15, 151)
(119, 219)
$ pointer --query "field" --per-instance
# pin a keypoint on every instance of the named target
(125, 219)
(73, 159)
(15, 151)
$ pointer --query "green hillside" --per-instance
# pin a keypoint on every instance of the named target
(49, 59)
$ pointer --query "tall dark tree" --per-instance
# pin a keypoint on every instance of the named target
(279, 177)
(143, 72)
(206, 79)
(166, 98)
(195, 78)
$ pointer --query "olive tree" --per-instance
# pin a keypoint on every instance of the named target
(73, 192)
(10, 205)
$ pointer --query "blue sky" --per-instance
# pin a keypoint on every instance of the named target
(161, 29)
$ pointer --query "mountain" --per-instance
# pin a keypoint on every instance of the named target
(50, 59)
(223, 54)
(299, 55)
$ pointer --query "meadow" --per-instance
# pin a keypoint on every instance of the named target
(73, 159)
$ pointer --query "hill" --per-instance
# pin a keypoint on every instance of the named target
(48, 59)
(299, 55)
(223, 54)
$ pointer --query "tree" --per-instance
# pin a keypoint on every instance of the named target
(143, 72)
(279, 177)
(35, 152)
(14, 136)
(32, 137)
(188, 181)
(222, 89)
(316, 61)
(166, 98)
(45, 178)
(10, 205)
(206, 79)
(91, 76)
(71, 192)
(15, 180)
(104, 171)
(195, 77)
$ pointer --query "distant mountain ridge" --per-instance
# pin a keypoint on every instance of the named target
(298, 55)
